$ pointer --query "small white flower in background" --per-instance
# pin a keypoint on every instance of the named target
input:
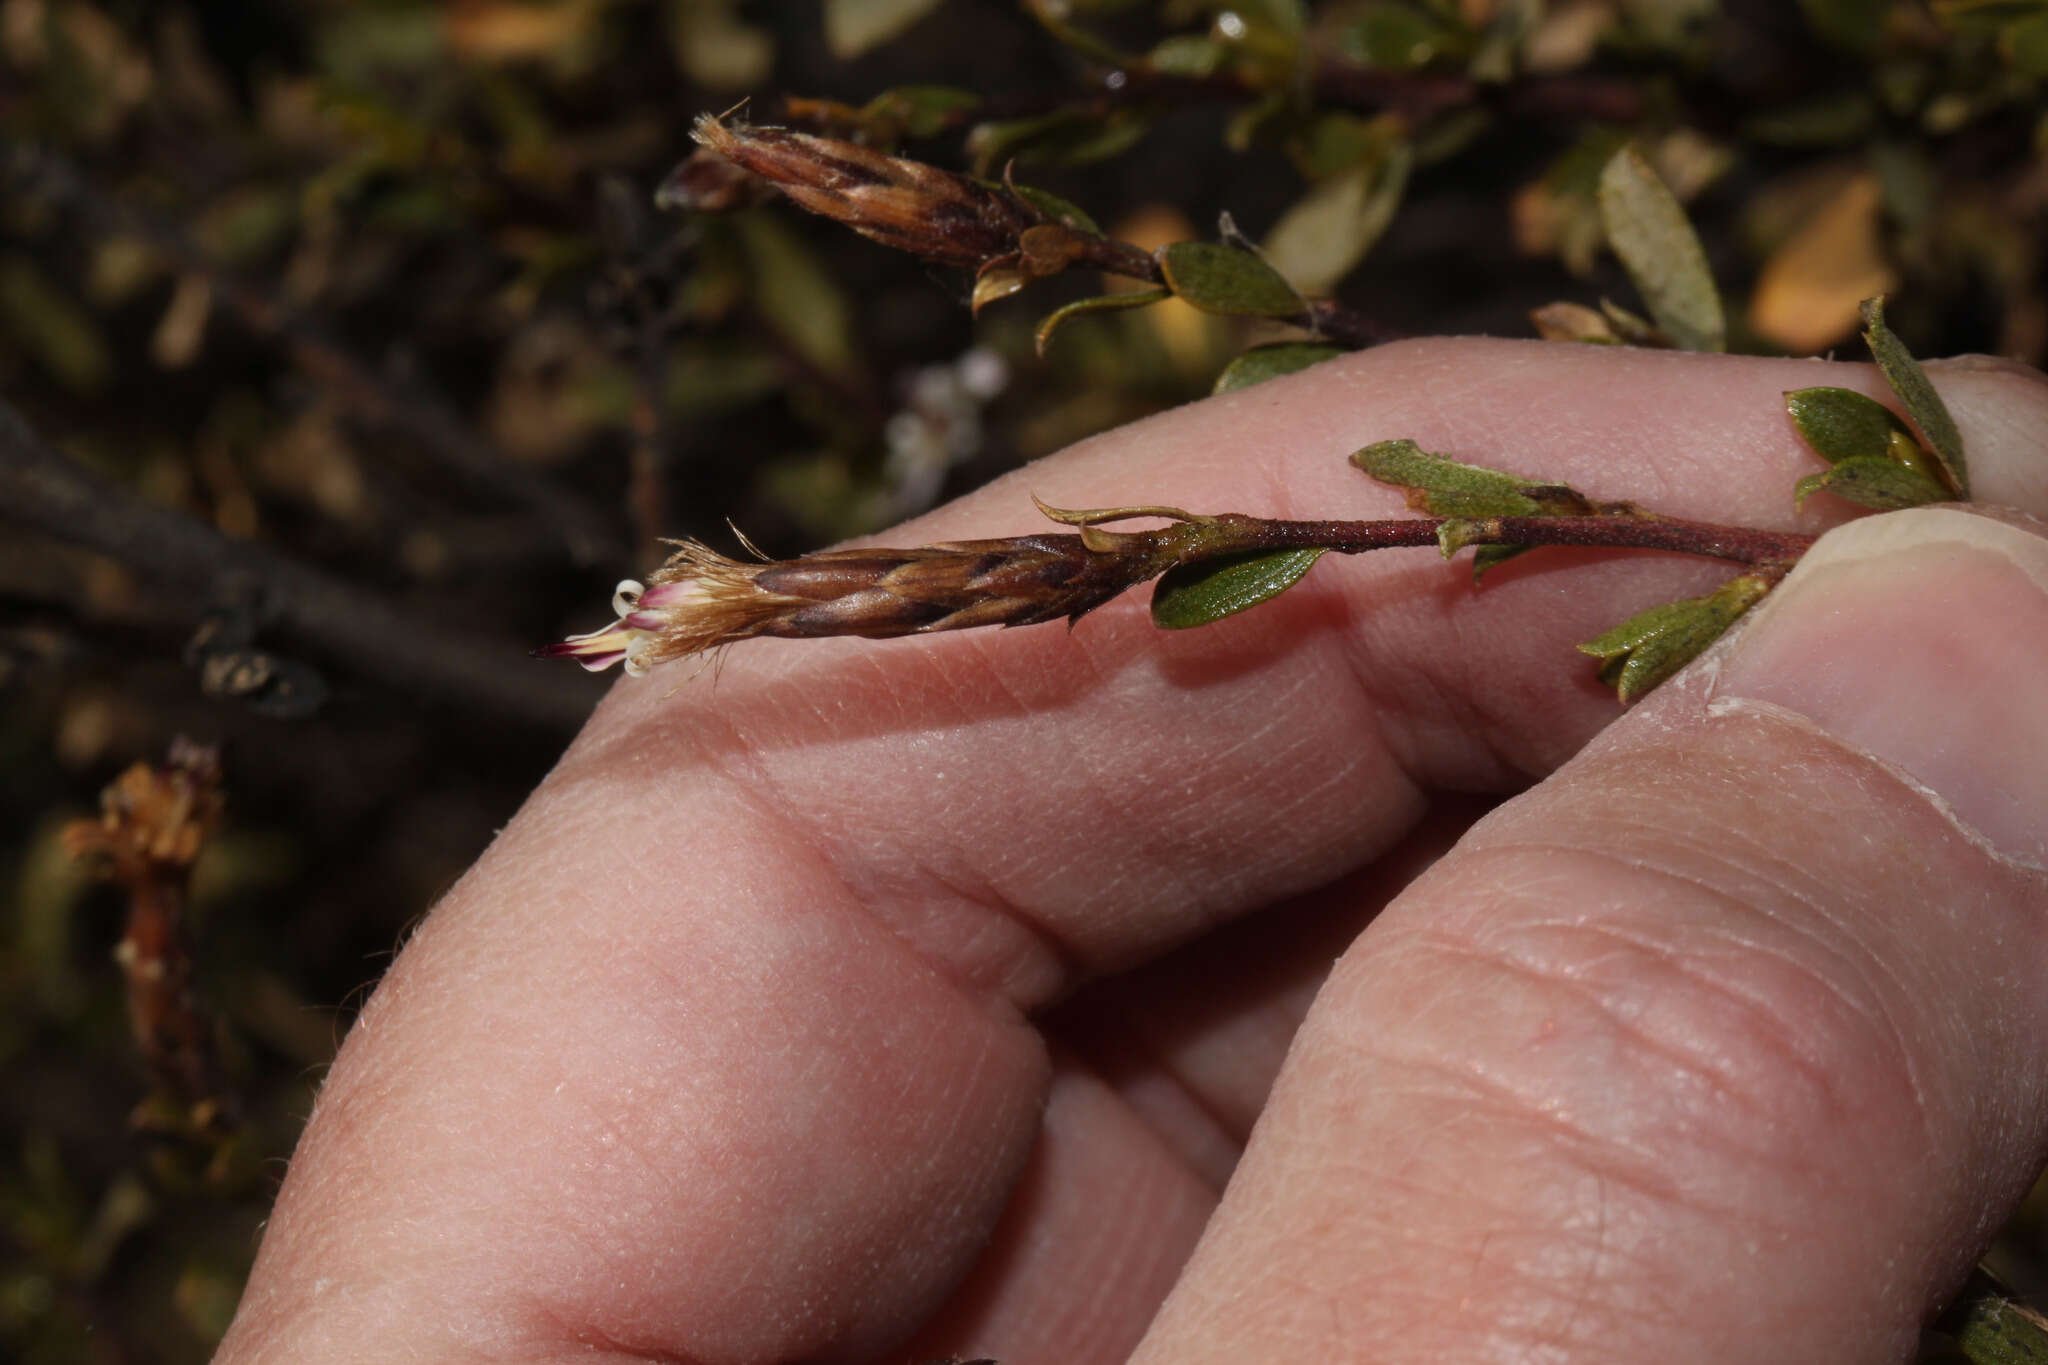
(939, 425)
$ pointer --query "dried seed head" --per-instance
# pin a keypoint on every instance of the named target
(700, 600)
(904, 204)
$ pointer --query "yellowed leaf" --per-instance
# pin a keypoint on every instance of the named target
(1566, 321)
(716, 48)
(1807, 294)
(998, 282)
(1327, 232)
(504, 31)
(1567, 34)
(182, 329)
(854, 26)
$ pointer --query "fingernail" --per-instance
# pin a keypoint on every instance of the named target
(1920, 638)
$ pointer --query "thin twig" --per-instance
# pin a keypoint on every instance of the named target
(48, 492)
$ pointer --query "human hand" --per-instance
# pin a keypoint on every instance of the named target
(887, 1001)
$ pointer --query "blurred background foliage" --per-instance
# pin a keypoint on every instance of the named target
(377, 288)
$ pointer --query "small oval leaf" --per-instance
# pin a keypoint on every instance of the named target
(1841, 424)
(1652, 645)
(1261, 363)
(1059, 210)
(1224, 279)
(1882, 484)
(1648, 230)
(1445, 488)
(1564, 321)
(1916, 392)
(1196, 594)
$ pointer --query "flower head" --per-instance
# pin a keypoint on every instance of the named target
(700, 600)
(904, 204)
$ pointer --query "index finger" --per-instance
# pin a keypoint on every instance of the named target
(1025, 805)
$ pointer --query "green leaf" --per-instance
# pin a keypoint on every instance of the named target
(919, 110)
(1445, 488)
(1917, 393)
(1196, 594)
(1103, 303)
(1398, 37)
(1053, 15)
(1990, 1323)
(1261, 363)
(798, 297)
(48, 325)
(1187, 54)
(854, 26)
(2024, 45)
(1857, 25)
(1648, 230)
(1652, 645)
(1228, 279)
(1068, 137)
(1841, 424)
(1338, 141)
(1054, 207)
(1880, 483)
(1827, 121)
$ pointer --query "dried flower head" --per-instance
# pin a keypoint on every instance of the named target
(154, 818)
(700, 600)
(904, 204)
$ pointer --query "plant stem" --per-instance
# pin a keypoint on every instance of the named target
(1743, 545)
(48, 492)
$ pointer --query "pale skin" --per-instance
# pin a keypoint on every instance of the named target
(863, 1001)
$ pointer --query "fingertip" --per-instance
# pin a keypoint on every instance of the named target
(2001, 407)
